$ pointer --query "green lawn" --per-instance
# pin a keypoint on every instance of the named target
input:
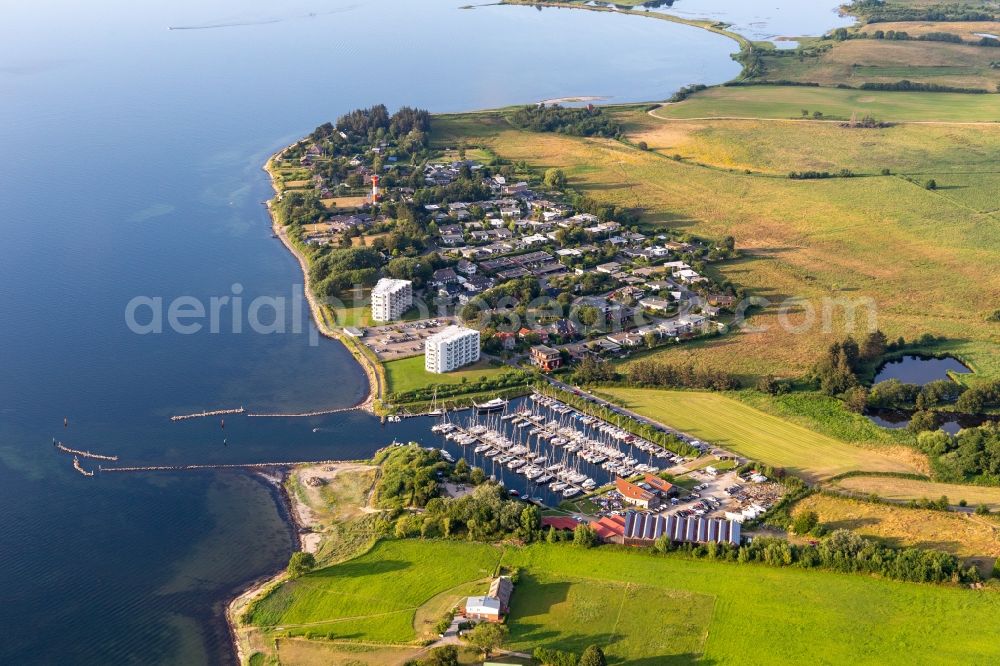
(788, 102)
(374, 597)
(408, 374)
(760, 615)
(632, 622)
(648, 609)
(728, 423)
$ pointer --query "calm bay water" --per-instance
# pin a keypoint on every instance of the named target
(132, 168)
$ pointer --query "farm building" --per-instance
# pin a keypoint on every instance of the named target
(633, 494)
(493, 606)
(641, 529)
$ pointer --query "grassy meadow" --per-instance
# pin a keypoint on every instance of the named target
(733, 425)
(374, 597)
(830, 256)
(833, 103)
(859, 61)
(642, 608)
(970, 538)
(408, 374)
(757, 614)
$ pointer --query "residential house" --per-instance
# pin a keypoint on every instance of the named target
(635, 495)
(546, 358)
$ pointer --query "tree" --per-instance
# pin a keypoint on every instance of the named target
(488, 636)
(805, 522)
(300, 563)
(931, 184)
(555, 178)
(768, 384)
(442, 656)
(593, 656)
(856, 399)
(923, 420)
(874, 345)
(584, 536)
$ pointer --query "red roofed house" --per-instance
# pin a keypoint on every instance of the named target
(633, 494)
(610, 529)
(559, 522)
(660, 485)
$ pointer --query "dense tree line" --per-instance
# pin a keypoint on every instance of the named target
(842, 551)
(589, 121)
(836, 370)
(973, 453)
(649, 372)
(333, 271)
(916, 86)
(485, 514)
(408, 476)
(894, 394)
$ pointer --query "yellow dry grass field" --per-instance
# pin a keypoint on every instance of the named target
(967, 537)
(912, 489)
(345, 203)
(821, 252)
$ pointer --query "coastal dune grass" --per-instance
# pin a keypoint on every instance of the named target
(754, 434)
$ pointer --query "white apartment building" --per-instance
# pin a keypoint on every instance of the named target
(451, 348)
(391, 298)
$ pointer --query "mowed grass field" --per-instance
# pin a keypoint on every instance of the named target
(838, 103)
(733, 425)
(760, 614)
(408, 374)
(830, 257)
(913, 489)
(970, 538)
(630, 621)
(374, 597)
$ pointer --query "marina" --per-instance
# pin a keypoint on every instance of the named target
(548, 451)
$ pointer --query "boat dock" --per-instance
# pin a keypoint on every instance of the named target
(83, 454)
(201, 415)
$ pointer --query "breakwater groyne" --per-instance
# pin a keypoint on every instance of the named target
(325, 412)
(83, 454)
(201, 415)
(187, 468)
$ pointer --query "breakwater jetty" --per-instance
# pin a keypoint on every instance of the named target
(83, 454)
(78, 467)
(325, 412)
(188, 468)
(201, 415)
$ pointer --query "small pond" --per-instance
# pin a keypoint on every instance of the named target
(897, 418)
(919, 369)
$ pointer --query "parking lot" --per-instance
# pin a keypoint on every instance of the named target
(402, 339)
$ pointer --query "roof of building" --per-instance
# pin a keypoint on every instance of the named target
(649, 527)
(482, 606)
(559, 522)
(501, 589)
(632, 491)
(451, 333)
(544, 351)
(389, 285)
(657, 483)
(609, 526)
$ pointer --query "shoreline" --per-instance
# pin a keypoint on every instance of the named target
(301, 522)
(375, 387)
